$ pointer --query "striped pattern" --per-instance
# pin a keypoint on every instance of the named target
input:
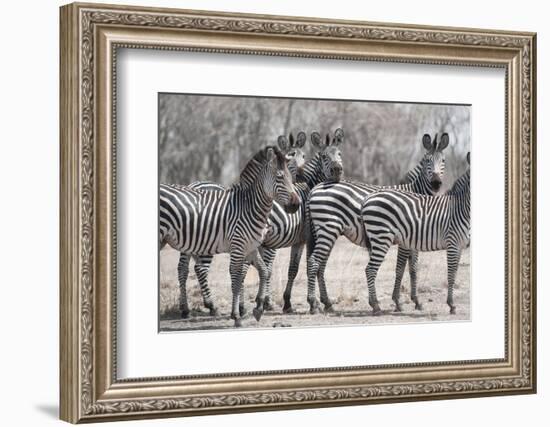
(420, 223)
(201, 223)
(334, 209)
(292, 149)
(284, 229)
(288, 230)
(202, 263)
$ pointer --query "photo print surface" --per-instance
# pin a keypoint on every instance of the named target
(287, 212)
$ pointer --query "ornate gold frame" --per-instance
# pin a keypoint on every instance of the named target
(90, 35)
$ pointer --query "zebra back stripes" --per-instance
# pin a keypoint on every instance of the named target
(417, 222)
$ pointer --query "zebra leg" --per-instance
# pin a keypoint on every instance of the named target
(323, 285)
(268, 256)
(183, 273)
(202, 267)
(312, 268)
(322, 247)
(242, 307)
(293, 267)
(377, 254)
(413, 268)
(236, 272)
(402, 257)
(258, 262)
(453, 257)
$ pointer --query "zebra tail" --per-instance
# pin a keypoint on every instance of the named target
(310, 231)
(364, 227)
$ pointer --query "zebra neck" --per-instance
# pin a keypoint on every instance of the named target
(259, 202)
(312, 173)
(419, 183)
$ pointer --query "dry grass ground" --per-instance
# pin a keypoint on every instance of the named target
(346, 285)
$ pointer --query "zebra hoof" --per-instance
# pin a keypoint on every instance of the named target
(242, 311)
(287, 309)
(376, 311)
(257, 313)
(268, 306)
(329, 309)
(453, 309)
(398, 308)
(418, 307)
(314, 310)
(214, 312)
(185, 314)
(238, 323)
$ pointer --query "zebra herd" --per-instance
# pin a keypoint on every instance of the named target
(281, 200)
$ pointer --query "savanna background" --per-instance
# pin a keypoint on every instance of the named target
(204, 137)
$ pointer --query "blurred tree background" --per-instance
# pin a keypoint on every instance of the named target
(203, 137)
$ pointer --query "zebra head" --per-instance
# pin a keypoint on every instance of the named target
(293, 150)
(278, 180)
(329, 154)
(433, 163)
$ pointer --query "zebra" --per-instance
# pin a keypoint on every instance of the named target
(334, 209)
(287, 229)
(293, 150)
(417, 222)
(229, 221)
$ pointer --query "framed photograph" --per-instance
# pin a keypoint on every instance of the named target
(267, 212)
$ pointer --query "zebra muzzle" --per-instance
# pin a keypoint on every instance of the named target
(436, 184)
(337, 172)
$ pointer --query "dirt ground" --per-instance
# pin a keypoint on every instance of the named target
(346, 285)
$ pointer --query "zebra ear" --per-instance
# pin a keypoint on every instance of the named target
(468, 157)
(282, 142)
(301, 139)
(316, 141)
(427, 142)
(444, 142)
(338, 137)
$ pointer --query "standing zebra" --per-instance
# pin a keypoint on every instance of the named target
(417, 222)
(287, 229)
(334, 209)
(229, 221)
(292, 149)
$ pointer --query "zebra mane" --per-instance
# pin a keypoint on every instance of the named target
(250, 172)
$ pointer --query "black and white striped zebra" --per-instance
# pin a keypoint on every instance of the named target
(229, 221)
(284, 229)
(417, 222)
(293, 150)
(334, 209)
